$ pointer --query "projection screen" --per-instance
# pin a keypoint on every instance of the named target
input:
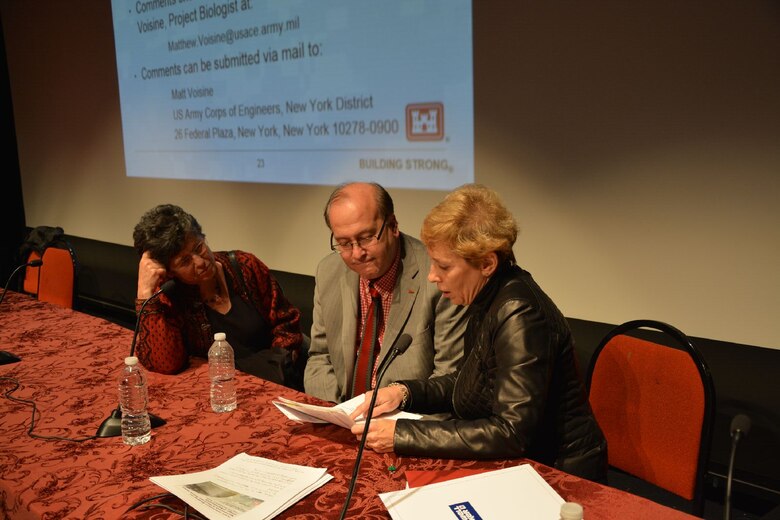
(297, 92)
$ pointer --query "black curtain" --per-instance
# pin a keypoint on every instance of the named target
(13, 227)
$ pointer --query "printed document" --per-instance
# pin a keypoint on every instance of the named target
(338, 414)
(516, 492)
(245, 487)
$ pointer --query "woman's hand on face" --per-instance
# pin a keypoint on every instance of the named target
(380, 434)
(387, 400)
(151, 274)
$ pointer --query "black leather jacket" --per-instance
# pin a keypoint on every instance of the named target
(517, 393)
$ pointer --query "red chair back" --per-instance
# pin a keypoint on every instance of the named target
(655, 405)
(57, 277)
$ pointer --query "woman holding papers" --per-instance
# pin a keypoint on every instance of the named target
(231, 292)
(517, 392)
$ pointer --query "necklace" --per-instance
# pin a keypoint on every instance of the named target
(217, 298)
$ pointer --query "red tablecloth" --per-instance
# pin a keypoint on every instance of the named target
(70, 366)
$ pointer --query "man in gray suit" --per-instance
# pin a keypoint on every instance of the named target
(371, 254)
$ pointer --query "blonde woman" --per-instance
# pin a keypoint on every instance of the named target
(517, 392)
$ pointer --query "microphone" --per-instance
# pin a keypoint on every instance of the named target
(112, 425)
(32, 263)
(400, 346)
(740, 427)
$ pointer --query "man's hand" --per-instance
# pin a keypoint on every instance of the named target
(387, 400)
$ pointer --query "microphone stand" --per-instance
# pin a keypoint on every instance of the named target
(740, 426)
(112, 425)
(33, 263)
(402, 344)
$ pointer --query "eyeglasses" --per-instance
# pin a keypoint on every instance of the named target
(361, 243)
(185, 261)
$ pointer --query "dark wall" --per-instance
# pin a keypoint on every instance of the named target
(12, 206)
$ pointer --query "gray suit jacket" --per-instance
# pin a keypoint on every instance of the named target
(418, 309)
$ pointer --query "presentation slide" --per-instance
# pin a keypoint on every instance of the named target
(297, 91)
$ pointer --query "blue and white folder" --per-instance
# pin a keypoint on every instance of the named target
(516, 492)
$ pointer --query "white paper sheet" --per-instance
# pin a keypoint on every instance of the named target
(245, 487)
(516, 492)
(338, 414)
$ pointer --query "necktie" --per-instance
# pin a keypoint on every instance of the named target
(368, 351)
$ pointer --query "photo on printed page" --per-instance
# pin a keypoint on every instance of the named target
(232, 499)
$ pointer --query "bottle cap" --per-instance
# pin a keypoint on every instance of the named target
(571, 510)
(131, 360)
(219, 336)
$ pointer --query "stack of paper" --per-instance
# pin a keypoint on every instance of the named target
(338, 414)
(245, 487)
(516, 492)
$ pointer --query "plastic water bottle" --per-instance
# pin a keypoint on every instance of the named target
(222, 371)
(133, 399)
(571, 511)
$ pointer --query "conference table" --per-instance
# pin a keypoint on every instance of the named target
(70, 364)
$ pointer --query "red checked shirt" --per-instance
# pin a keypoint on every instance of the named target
(385, 285)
